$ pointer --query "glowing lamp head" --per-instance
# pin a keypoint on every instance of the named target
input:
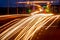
(48, 3)
(28, 2)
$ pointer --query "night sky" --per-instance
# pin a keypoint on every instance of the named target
(12, 3)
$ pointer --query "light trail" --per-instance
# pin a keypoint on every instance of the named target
(40, 25)
(27, 27)
(52, 22)
(37, 27)
(14, 28)
(34, 30)
(24, 31)
(7, 25)
(24, 25)
(30, 28)
(34, 2)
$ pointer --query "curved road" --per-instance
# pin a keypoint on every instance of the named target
(35, 27)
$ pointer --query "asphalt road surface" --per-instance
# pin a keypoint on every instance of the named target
(35, 27)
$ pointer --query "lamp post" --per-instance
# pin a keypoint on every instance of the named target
(17, 6)
(8, 8)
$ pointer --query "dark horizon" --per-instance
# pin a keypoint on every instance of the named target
(12, 3)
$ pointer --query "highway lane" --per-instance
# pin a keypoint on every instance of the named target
(30, 28)
(6, 18)
(31, 31)
(9, 24)
(50, 32)
(18, 24)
